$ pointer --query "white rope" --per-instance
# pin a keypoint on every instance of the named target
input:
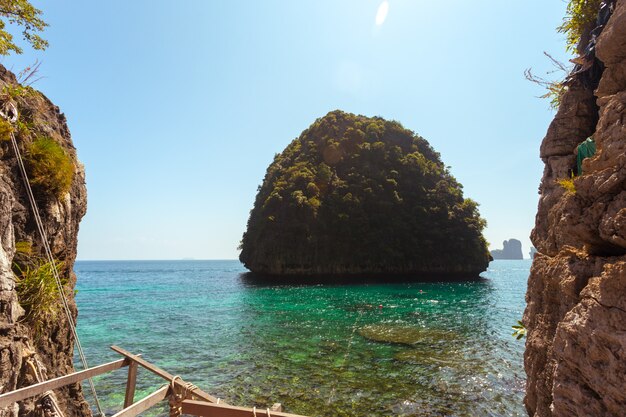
(55, 272)
(48, 401)
(346, 356)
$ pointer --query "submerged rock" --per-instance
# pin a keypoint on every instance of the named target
(362, 195)
(439, 357)
(407, 335)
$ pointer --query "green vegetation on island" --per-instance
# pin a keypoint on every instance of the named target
(355, 194)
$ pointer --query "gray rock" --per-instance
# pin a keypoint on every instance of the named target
(512, 249)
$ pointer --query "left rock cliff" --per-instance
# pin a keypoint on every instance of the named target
(34, 330)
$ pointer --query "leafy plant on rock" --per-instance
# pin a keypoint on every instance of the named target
(554, 88)
(50, 168)
(519, 330)
(568, 185)
(37, 292)
(580, 18)
(5, 129)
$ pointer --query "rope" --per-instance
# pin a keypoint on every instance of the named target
(177, 398)
(267, 412)
(35, 369)
(48, 402)
(346, 356)
(48, 251)
(49, 406)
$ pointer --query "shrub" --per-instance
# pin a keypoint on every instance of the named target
(24, 128)
(519, 330)
(23, 248)
(581, 15)
(37, 292)
(50, 168)
(554, 88)
(23, 252)
(5, 130)
(568, 185)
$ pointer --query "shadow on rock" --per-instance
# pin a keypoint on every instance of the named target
(261, 280)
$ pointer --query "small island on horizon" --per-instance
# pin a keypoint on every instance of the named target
(511, 249)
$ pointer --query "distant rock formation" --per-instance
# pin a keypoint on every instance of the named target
(512, 249)
(362, 195)
(575, 316)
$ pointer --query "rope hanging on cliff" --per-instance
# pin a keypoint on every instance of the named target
(48, 402)
(10, 113)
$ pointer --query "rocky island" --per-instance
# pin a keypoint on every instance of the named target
(354, 194)
(511, 249)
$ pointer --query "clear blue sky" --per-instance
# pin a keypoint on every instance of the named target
(177, 108)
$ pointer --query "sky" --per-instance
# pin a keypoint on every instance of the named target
(177, 108)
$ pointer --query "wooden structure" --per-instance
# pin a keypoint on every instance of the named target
(184, 398)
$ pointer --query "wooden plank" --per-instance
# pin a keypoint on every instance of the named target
(39, 388)
(131, 382)
(164, 374)
(145, 403)
(204, 409)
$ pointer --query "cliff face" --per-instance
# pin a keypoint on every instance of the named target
(576, 313)
(48, 339)
(362, 195)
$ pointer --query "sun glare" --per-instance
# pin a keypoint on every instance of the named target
(381, 14)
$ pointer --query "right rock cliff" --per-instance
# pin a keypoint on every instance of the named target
(575, 317)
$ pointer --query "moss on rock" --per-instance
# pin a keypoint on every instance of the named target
(50, 168)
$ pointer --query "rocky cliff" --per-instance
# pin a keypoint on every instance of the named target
(361, 195)
(576, 301)
(28, 333)
(511, 249)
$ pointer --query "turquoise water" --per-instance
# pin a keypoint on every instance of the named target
(405, 349)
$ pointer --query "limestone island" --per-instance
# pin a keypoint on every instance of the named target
(360, 195)
(511, 249)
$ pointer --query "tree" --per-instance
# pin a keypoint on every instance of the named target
(24, 14)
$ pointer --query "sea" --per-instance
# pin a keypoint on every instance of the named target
(341, 349)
